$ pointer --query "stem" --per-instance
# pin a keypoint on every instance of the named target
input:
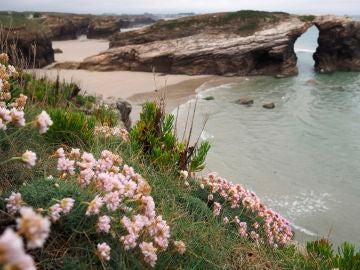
(10, 159)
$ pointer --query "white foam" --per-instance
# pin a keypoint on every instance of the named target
(303, 230)
(300, 50)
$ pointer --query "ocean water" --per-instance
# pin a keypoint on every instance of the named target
(303, 157)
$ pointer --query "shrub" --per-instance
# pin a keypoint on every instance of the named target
(71, 127)
(154, 135)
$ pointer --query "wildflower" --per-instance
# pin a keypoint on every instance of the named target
(17, 117)
(226, 220)
(87, 161)
(149, 252)
(180, 246)
(1, 85)
(55, 212)
(50, 177)
(12, 253)
(34, 227)
(160, 231)
(202, 186)
(60, 153)
(148, 206)
(11, 246)
(187, 184)
(4, 58)
(86, 176)
(43, 122)
(20, 102)
(94, 206)
(217, 208)
(67, 204)
(66, 165)
(29, 158)
(103, 251)
(14, 203)
(12, 70)
(112, 200)
(75, 153)
(103, 224)
(210, 197)
(184, 174)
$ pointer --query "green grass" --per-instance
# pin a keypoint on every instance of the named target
(17, 19)
(307, 18)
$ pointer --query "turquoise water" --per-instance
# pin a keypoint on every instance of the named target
(303, 157)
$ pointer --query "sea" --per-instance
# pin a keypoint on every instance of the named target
(302, 158)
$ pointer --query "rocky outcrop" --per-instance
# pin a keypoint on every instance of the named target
(66, 27)
(27, 49)
(339, 44)
(103, 27)
(266, 50)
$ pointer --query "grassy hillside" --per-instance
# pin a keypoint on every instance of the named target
(207, 214)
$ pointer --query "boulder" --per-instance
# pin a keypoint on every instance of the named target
(245, 101)
(124, 108)
(269, 105)
(57, 50)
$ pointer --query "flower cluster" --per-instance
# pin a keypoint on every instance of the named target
(275, 228)
(32, 226)
(112, 132)
(118, 190)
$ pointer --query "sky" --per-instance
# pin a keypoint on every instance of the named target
(340, 7)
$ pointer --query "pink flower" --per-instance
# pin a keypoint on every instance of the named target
(17, 117)
(217, 208)
(29, 158)
(75, 153)
(180, 246)
(67, 204)
(95, 206)
(87, 161)
(13, 255)
(60, 153)
(226, 220)
(210, 197)
(43, 122)
(14, 203)
(149, 252)
(149, 206)
(66, 165)
(184, 174)
(55, 212)
(86, 176)
(103, 224)
(103, 251)
(34, 227)
(160, 231)
(112, 200)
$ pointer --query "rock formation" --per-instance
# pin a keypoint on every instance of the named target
(66, 27)
(339, 44)
(257, 47)
(103, 27)
(26, 48)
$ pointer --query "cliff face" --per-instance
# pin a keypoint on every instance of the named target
(66, 27)
(21, 43)
(103, 27)
(339, 44)
(214, 45)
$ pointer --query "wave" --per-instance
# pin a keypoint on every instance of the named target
(300, 50)
(303, 230)
(206, 136)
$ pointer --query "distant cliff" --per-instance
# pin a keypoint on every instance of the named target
(235, 43)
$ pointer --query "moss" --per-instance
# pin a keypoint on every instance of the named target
(307, 18)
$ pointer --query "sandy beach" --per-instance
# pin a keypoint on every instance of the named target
(136, 87)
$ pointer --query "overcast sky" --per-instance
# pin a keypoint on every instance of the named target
(350, 7)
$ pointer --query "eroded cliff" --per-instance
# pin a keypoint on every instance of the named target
(241, 43)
